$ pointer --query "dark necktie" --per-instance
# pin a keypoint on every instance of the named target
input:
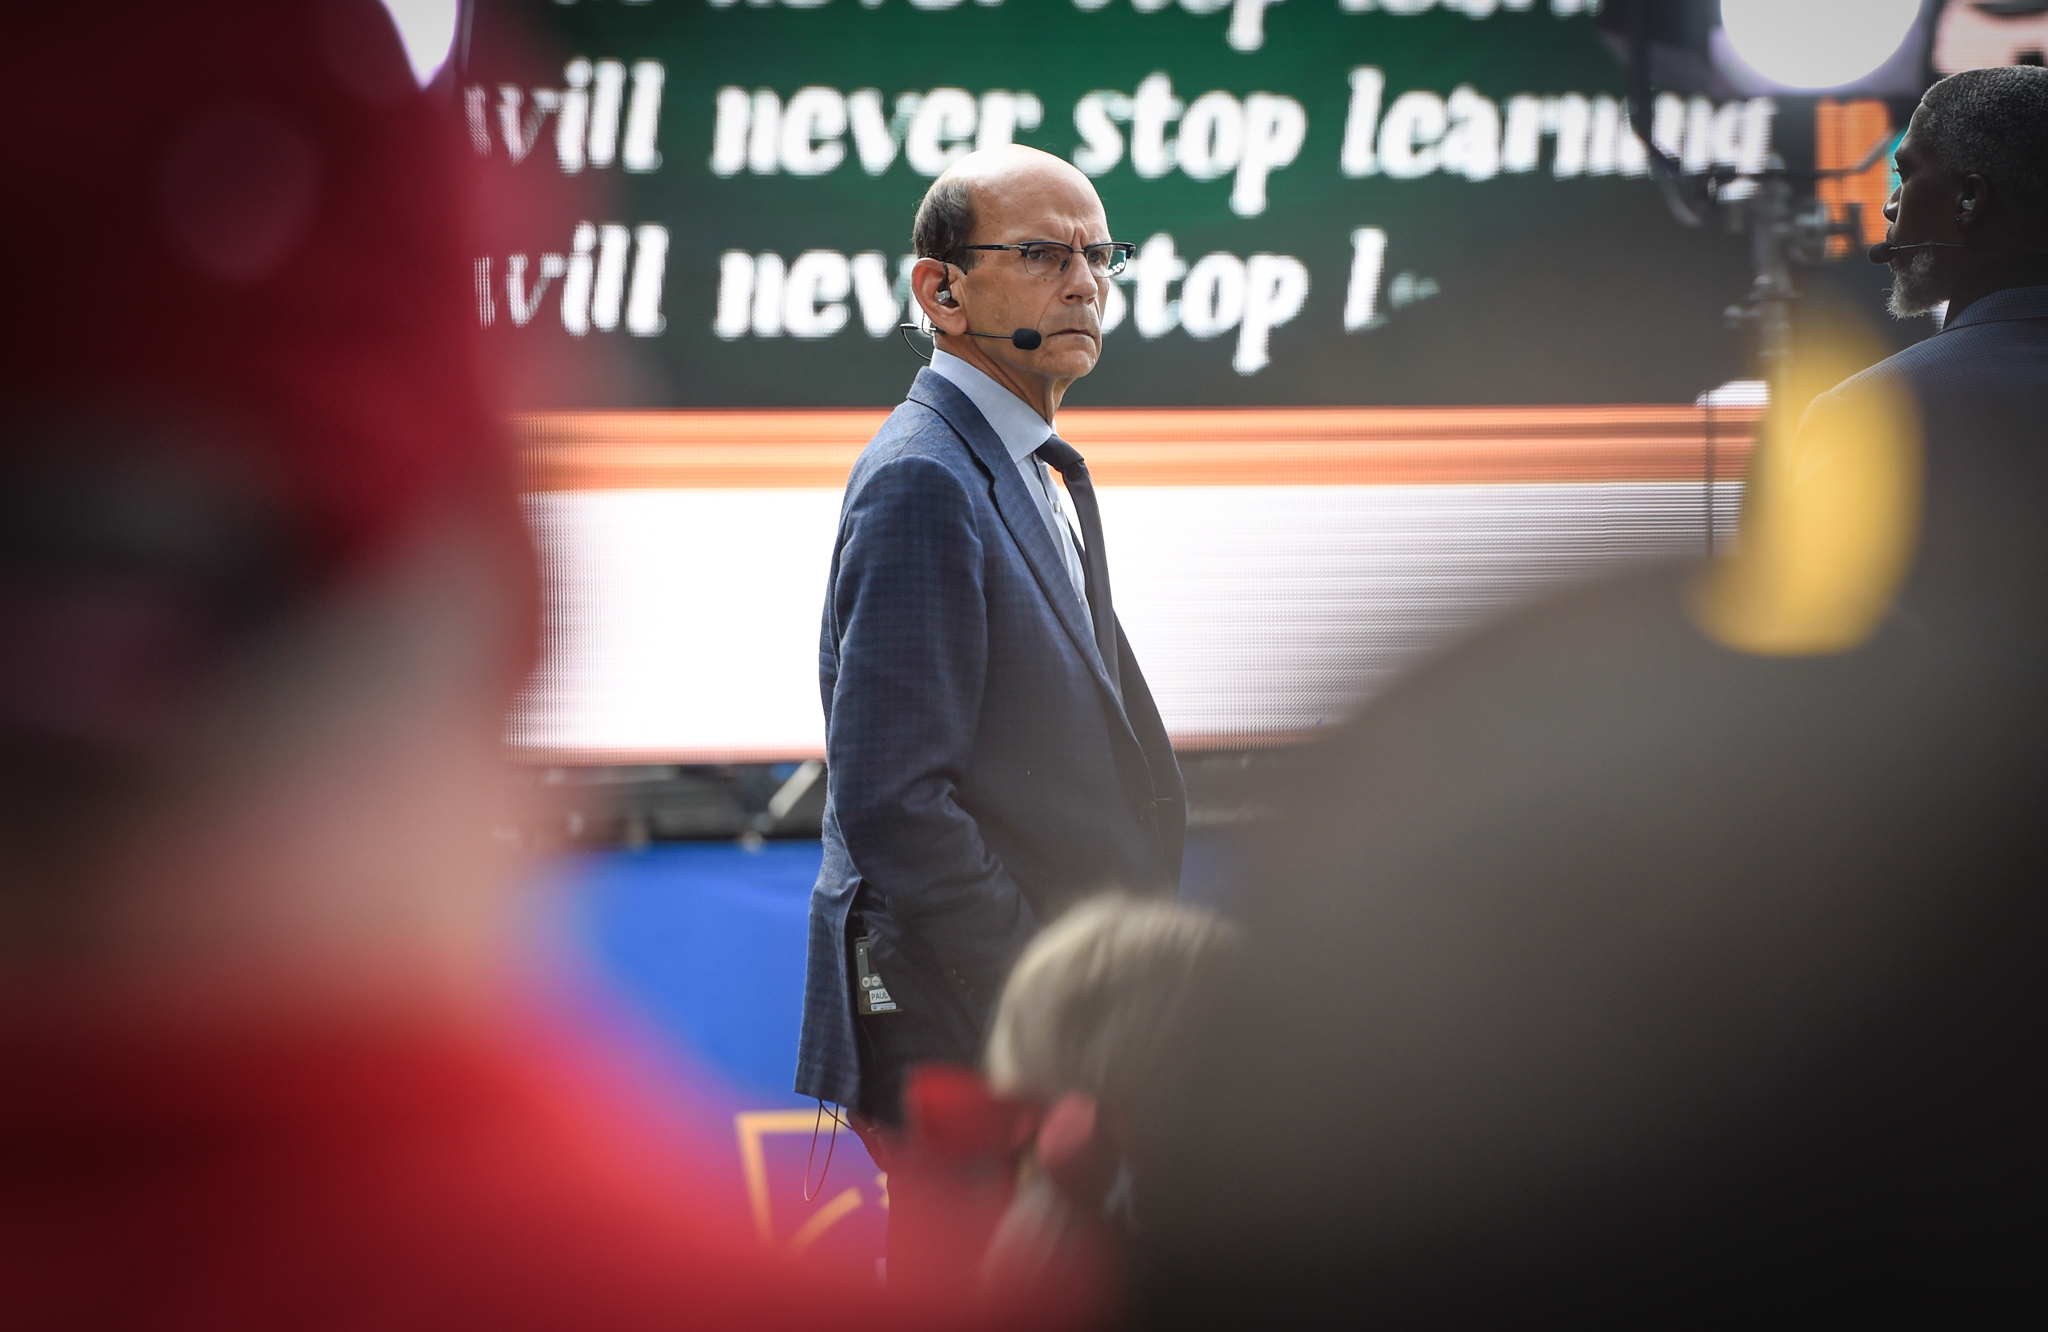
(1066, 460)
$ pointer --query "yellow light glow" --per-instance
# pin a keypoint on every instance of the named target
(1831, 514)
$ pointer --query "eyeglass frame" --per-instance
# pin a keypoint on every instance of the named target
(1125, 248)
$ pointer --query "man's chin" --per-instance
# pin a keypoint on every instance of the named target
(1913, 294)
(1906, 303)
(1069, 364)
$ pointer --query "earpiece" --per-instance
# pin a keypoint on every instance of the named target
(946, 296)
(1968, 204)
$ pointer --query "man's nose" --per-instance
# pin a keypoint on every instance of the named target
(1891, 207)
(1082, 284)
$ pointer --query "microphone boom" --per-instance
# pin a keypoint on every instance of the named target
(1884, 251)
(1024, 339)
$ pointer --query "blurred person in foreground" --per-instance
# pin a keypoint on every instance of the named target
(264, 1055)
(994, 752)
(1041, 1155)
(1673, 953)
(1082, 1029)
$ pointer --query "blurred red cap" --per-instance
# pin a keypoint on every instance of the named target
(244, 215)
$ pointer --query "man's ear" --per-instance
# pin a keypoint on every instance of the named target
(927, 277)
(1974, 201)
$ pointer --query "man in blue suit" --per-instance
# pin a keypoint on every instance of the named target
(994, 753)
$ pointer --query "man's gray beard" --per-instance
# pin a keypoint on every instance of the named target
(1912, 289)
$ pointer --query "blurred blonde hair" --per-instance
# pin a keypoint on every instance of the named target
(1093, 999)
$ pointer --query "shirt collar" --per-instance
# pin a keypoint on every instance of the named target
(1020, 428)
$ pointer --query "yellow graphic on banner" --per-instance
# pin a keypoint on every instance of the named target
(754, 1127)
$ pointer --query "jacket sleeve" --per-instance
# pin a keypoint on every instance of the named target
(912, 622)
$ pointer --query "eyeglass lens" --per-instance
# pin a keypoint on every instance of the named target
(1050, 259)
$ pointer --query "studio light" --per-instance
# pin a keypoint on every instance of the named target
(1817, 44)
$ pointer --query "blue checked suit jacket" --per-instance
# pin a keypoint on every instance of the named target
(981, 773)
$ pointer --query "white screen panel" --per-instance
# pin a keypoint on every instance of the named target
(684, 623)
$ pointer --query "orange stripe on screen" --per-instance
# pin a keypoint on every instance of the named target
(1316, 446)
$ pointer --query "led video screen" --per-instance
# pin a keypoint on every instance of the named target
(1335, 202)
(1410, 334)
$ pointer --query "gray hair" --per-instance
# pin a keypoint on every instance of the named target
(1994, 123)
(945, 221)
(1092, 1004)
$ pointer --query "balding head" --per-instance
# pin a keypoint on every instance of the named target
(987, 179)
(1030, 218)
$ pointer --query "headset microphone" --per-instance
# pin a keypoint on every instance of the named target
(1024, 339)
(1884, 251)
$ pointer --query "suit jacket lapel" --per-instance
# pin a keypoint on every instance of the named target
(1019, 513)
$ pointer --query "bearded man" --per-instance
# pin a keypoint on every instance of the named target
(1969, 229)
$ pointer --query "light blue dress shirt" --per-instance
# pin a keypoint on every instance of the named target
(1022, 430)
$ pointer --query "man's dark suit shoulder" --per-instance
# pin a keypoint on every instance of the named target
(915, 438)
(1997, 349)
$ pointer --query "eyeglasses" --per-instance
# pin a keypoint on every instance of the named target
(1047, 259)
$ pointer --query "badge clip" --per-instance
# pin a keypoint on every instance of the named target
(874, 996)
